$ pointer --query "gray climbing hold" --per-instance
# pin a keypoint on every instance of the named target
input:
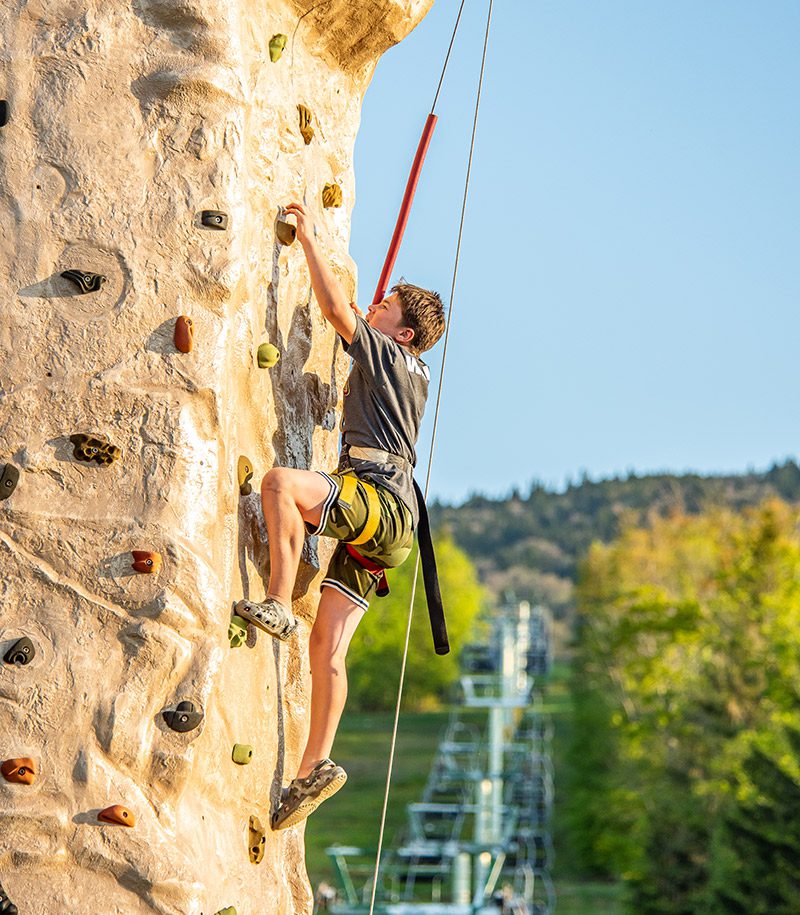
(3, 112)
(214, 219)
(7, 907)
(86, 282)
(185, 717)
(22, 652)
(9, 477)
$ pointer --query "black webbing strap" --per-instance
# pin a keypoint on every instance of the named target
(431, 577)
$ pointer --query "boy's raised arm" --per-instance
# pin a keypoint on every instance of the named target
(332, 301)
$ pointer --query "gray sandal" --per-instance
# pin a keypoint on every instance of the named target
(269, 615)
(304, 795)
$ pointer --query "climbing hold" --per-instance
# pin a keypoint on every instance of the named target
(185, 717)
(276, 45)
(7, 907)
(244, 471)
(86, 282)
(331, 196)
(285, 231)
(214, 219)
(184, 334)
(8, 480)
(3, 122)
(229, 910)
(306, 129)
(268, 355)
(22, 770)
(237, 631)
(22, 652)
(242, 754)
(90, 448)
(118, 814)
(146, 561)
(258, 840)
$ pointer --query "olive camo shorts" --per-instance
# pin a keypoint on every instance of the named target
(388, 547)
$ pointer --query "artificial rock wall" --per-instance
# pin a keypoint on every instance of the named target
(125, 120)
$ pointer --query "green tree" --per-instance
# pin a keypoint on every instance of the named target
(689, 632)
(757, 869)
(375, 655)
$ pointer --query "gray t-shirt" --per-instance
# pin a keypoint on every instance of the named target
(384, 400)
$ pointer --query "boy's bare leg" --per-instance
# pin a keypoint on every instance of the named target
(289, 497)
(337, 619)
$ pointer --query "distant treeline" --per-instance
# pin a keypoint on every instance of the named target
(532, 543)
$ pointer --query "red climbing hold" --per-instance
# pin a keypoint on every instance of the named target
(146, 561)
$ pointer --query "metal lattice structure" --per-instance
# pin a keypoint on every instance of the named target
(478, 842)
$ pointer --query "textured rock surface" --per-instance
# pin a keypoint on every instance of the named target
(127, 118)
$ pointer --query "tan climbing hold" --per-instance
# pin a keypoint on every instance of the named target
(21, 771)
(146, 561)
(118, 815)
(285, 231)
(184, 334)
(258, 840)
(331, 196)
(306, 130)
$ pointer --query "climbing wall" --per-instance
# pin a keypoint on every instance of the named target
(146, 291)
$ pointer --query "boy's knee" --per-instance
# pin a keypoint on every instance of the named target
(275, 481)
(326, 645)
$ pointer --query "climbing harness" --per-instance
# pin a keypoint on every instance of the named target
(393, 743)
(350, 483)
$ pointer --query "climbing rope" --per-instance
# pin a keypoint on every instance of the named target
(432, 450)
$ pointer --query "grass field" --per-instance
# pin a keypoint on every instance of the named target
(352, 817)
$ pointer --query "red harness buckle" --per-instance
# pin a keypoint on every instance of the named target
(371, 566)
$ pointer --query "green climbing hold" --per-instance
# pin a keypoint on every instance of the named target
(237, 631)
(276, 45)
(242, 754)
(230, 910)
(268, 355)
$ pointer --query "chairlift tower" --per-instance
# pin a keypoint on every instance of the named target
(479, 841)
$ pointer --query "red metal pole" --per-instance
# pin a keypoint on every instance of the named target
(405, 208)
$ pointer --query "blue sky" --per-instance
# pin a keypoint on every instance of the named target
(629, 289)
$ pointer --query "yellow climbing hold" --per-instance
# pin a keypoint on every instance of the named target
(276, 45)
(331, 196)
(267, 356)
(305, 123)
(244, 473)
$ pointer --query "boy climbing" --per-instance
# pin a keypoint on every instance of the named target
(368, 504)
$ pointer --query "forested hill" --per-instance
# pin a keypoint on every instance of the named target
(532, 544)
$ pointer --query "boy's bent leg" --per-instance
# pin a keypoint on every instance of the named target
(289, 498)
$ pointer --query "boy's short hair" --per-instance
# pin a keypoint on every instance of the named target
(423, 312)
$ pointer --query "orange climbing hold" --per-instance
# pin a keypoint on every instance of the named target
(184, 334)
(22, 770)
(146, 561)
(118, 815)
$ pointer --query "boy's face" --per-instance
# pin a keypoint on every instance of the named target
(387, 317)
